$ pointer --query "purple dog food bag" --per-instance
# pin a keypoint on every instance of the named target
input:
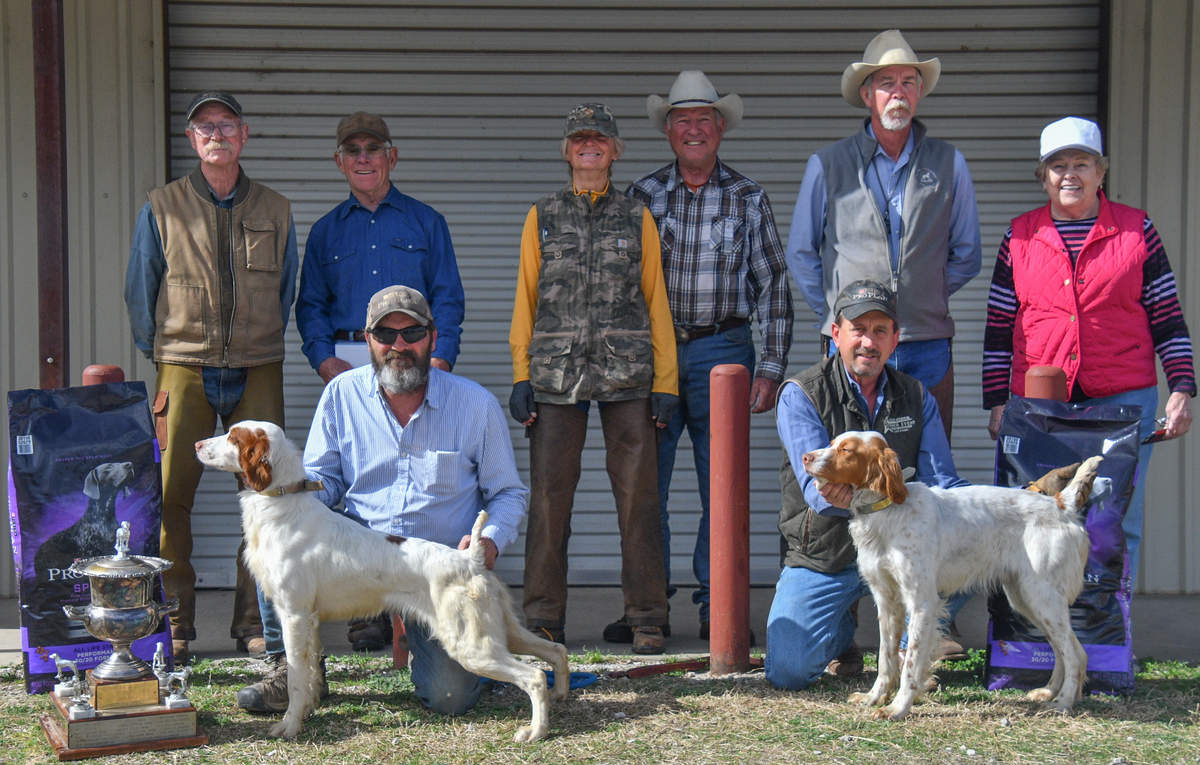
(1036, 436)
(81, 461)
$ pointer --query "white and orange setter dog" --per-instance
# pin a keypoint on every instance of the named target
(317, 564)
(915, 541)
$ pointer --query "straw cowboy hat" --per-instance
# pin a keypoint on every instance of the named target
(692, 89)
(887, 49)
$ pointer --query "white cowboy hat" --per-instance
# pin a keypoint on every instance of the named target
(888, 48)
(692, 89)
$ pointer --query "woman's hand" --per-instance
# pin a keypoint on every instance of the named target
(994, 422)
(1179, 415)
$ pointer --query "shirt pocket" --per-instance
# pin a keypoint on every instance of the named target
(440, 473)
(261, 252)
(728, 235)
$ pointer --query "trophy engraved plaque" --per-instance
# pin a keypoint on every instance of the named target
(124, 704)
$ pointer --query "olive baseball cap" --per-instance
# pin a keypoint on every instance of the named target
(864, 296)
(594, 117)
(406, 300)
(363, 122)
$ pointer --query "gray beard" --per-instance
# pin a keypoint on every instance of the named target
(895, 118)
(407, 380)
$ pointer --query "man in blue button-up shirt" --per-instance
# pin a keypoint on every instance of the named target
(376, 238)
(410, 451)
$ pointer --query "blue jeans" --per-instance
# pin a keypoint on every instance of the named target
(810, 623)
(1147, 399)
(442, 684)
(696, 360)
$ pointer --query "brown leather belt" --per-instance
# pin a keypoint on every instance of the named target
(687, 334)
(352, 335)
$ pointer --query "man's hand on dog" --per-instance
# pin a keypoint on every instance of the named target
(490, 551)
(837, 494)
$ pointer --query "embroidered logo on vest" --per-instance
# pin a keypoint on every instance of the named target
(898, 424)
(927, 177)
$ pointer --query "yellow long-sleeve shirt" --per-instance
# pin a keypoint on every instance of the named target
(662, 331)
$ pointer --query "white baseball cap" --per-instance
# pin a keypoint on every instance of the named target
(1071, 133)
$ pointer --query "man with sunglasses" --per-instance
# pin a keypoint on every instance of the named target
(412, 451)
(211, 277)
(375, 238)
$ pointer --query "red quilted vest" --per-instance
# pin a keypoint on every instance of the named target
(1089, 319)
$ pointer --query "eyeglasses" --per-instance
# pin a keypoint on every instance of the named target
(388, 335)
(372, 150)
(210, 129)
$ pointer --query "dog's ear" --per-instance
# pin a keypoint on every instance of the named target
(885, 477)
(253, 450)
(91, 484)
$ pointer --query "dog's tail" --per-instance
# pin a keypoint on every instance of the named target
(475, 551)
(1075, 495)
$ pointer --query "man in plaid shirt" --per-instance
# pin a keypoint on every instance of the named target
(723, 263)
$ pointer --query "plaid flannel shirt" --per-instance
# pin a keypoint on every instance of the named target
(721, 256)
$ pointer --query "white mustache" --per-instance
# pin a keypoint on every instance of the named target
(214, 145)
(899, 103)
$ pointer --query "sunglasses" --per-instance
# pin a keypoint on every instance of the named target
(388, 335)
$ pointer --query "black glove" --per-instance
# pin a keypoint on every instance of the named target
(663, 406)
(520, 403)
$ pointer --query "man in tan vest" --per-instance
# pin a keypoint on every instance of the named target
(210, 283)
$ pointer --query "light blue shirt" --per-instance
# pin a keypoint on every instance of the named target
(428, 479)
(801, 430)
(807, 233)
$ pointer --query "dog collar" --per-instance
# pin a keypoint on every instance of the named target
(294, 488)
(875, 507)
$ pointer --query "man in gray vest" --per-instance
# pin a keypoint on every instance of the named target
(894, 205)
(810, 629)
(210, 282)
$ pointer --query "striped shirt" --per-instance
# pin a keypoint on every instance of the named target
(428, 479)
(1159, 298)
(721, 256)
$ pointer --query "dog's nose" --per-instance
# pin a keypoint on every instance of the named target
(199, 444)
(807, 458)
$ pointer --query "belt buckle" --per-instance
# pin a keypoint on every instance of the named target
(681, 335)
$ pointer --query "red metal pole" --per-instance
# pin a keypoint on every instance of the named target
(399, 644)
(50, 151)
(729, 518)
(1046, 382)
(95, 374)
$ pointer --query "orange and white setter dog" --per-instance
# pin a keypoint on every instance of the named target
(915, 541)
(317, 564)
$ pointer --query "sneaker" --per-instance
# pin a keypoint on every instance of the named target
(621, 631)
(254, 645)
(849, 664)
(270, 695)
(648, 640)
(370, 634)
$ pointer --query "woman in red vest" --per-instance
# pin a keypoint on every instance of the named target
(1083, 284)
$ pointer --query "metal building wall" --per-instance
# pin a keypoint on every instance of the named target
(115, 152)
(475, 93)
(1152, 144)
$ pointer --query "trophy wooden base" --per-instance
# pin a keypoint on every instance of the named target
(132, 729)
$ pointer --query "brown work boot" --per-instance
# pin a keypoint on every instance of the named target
(370, 634)
(849, 664)
(648, 640)
(181, 652)
(950, 649)
(254, 645)
(270, 695)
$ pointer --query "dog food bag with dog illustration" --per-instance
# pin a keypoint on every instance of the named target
(81, 460)
(1037, 435)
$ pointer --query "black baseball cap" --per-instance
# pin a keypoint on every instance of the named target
(220, 96)
(864, 296)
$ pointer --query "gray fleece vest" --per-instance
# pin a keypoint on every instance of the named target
(855, 241)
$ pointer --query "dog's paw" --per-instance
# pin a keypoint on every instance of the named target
(284, 729)
(865, 699)
(1040, 695)
(527, 733)
(891, 712)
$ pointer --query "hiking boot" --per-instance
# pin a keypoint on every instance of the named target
(254, 645)
(849, 664)
(950, 650)
(270, 695)
(370, 634)
(648, 640)
(621, 631)
(181, 652)
(553, 634)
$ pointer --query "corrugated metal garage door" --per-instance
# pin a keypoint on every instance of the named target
(475, 92)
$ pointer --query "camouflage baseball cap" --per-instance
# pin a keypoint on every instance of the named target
(363, 122)
(406, 300)
(864, 296)
(593, 117)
